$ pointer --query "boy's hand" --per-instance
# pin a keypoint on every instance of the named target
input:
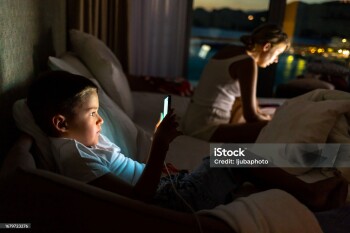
(166, 130)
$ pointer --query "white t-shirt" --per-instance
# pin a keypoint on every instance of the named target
(216, 87)
(83, 163)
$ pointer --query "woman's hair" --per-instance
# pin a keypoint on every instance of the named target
(57, 92)
(265, 33)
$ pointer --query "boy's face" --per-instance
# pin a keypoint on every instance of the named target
(85, 126)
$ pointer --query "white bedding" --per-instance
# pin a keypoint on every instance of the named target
(320, 116)
(271, 211)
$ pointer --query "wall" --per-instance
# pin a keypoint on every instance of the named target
(30, 31)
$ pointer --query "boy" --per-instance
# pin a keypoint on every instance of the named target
(65, 106)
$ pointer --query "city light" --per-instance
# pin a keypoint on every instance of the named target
(332, 53)
(250, 17)
(312, 49)
(320, 50)
(290, 58)
(203, 52)
(343, 40)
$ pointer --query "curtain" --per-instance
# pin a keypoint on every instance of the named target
(158, 37)
(105, 19)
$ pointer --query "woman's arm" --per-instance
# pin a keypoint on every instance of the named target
(246, 71)
(146, 186)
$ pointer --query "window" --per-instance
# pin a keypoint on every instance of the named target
(218, 23)
(319, 31)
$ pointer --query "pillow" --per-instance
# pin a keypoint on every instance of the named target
(71, 59)
(68, 62)
(105, 67)
(25, 122)
(118, 127)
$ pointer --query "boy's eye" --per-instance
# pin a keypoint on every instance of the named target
(93, 114)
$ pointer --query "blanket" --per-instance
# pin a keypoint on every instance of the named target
(271, 211)
(320, 116)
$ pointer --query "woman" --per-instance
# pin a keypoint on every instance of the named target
(232, 73)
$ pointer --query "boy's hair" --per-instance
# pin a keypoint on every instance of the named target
(265, 33)
(56, 92)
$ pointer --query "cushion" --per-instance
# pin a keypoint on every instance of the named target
(72, 59)
(25, 122)
(118, 127)
(70, 63)
(105, 67)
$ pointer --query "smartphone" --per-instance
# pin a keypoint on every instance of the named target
(166, 106)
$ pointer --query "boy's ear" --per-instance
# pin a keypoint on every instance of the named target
(267, 47)
(60, 123)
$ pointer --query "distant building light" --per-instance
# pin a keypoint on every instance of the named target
(320, 50)
(343, 40)
(330, 50)
(301, 65)
(290, 59)
(263, 19)
(250, 17)
(203, 52)
(340, 51)
(346, 52)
